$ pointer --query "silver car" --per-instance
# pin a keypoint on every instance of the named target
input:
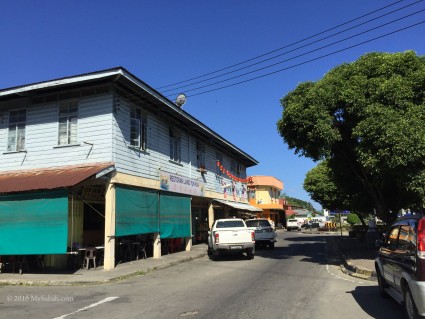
(264, 231)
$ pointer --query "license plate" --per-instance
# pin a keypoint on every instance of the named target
(235, 247)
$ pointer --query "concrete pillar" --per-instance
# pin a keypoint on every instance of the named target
(188, 244)
(188, 240)
(210, 215)
(156, 245)
(109, 257)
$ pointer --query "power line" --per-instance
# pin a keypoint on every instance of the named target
(309, 61)
(286, 46)
(286, 52)
(303, 54)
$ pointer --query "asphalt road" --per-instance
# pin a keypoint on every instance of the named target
(294, 280)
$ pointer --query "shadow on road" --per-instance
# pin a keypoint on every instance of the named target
(310, 248)
(368, 299)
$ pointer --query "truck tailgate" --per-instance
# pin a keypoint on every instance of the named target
(233, 236)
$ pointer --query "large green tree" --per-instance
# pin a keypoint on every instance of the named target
(366, 119)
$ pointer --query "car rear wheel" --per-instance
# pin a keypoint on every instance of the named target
(381, 284)
(250, 254)
(271, 245)
(214, 255)
(409, 305)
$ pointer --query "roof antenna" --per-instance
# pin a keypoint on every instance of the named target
(180, 100)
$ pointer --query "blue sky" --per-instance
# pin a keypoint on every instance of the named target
(166, 42)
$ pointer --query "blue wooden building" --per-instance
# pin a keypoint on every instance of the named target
(91, 159)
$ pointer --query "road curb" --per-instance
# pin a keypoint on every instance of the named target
(139, 272)
(356, 271)
(349, 268)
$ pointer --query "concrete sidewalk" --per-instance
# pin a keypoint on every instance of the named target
(357, 257)
(99, 276)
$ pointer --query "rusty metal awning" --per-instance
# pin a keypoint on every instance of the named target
(58, 177)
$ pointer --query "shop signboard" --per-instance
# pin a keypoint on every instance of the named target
(339, 212)
(179, 184)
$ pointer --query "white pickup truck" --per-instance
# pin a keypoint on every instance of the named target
(292, 224)
(264, 231)
(231, 236)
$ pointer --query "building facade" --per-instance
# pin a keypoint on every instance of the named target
(93, 159)
(264, 193)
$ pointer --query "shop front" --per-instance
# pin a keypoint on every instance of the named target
(42, 215)
(150, 215)
(200, 221)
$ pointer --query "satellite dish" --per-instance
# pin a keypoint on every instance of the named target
(180, 99)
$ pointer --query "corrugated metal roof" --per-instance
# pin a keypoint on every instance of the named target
(58, 177)
(120, 74)
(241, 206)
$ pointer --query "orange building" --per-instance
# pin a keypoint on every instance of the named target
(264, 192)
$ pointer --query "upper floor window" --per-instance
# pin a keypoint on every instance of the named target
(235, 168)
(16, 137)
(68, 120)
(175, 153)
(138, 128)
(200, 154)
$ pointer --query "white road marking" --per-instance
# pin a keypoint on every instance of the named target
(88, 307)
(339, 277)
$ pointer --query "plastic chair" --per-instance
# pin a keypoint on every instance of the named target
(90, 255)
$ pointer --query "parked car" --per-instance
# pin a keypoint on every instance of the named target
(292, 224)
(310, 225)
(264, 231)
(400, 265)
(231, 236)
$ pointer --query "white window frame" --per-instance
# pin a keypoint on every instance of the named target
(175, 145)
(138, 129)
(17, 127)
(68, 122)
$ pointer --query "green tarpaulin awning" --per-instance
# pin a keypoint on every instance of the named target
(34, 223)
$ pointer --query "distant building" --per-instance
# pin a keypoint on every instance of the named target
(264, 193)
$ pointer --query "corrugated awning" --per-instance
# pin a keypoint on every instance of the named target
(58, 177)
(241, 206)
(272, 207)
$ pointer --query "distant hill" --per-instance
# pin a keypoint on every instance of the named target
(292, 201)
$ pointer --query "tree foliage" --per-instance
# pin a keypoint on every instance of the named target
(353, 219)
(366, 121)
